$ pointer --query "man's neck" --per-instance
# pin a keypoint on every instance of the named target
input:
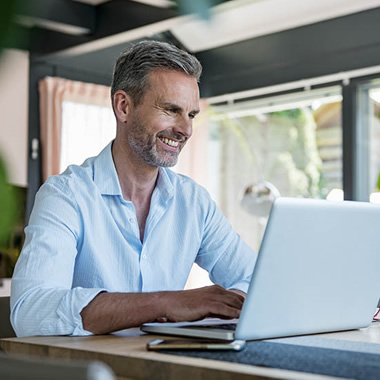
(137, 179)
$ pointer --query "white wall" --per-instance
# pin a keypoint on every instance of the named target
(14, 90)
(5, 287)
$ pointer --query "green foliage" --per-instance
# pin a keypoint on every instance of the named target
(8, 196)
(11, 35)
(8, 204)
(300, 164)
(378, 182)
(294, 114)
(8, 259)
(6, 12)
(281, 146)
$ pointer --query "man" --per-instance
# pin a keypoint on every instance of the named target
(110, 243)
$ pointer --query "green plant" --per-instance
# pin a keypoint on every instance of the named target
(8, 194)
(7, 8)
(8, 258)
(8, 204)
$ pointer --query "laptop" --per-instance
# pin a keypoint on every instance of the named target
(317, 271)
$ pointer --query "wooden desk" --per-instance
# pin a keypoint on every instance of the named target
(127, 356)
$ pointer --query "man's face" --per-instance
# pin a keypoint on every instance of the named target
(162, 123)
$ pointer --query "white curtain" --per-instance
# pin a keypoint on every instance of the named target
(86, 130)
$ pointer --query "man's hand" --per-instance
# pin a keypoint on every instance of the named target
(237, 291)
(109, 312)
(210, 301)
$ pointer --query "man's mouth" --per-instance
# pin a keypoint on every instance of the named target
(169, 142)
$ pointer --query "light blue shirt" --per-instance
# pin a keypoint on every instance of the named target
(83, 238)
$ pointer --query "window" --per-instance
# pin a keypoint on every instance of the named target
(75, 122)
(369, 141)
(291, 143)
(86, 130)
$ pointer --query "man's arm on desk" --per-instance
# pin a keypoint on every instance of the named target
(109, 312)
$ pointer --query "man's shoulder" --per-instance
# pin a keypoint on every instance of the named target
(74, 177)
(178, 179)
(186, 185)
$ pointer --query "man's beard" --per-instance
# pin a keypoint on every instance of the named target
(145, 145)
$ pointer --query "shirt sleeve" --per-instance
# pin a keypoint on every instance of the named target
(223, 253)
(42, 299)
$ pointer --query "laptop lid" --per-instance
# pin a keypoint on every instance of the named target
(316, 272)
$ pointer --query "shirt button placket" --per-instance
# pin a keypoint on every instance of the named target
(134, 226)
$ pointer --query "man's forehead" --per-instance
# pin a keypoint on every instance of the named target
(170, 77)
(172, 86)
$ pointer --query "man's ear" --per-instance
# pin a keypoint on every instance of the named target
(122, 104)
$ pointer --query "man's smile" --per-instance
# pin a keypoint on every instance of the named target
(169, 142)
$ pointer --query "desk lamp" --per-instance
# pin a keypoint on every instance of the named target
(258, 198)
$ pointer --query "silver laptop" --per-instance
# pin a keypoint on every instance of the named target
(317, 271)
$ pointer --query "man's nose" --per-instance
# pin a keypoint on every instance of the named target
(184, 127)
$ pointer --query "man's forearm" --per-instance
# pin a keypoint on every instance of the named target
(109, 312)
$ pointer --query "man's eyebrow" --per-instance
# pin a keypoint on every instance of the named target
(177, 107)
(171, 105)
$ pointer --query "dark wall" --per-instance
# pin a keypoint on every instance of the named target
(341, 44)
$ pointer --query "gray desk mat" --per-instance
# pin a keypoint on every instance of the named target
(346, 359)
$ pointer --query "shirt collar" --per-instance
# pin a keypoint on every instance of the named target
(105, 176)
(164, 184)
(107, 181)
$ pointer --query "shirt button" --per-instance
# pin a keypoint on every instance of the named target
(144, 257)
(131, 220)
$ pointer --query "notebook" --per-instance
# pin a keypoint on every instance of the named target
(317, 271)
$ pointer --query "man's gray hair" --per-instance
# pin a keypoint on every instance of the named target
(133, 66)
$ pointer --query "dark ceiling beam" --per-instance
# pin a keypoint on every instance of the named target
(122, 15)
(69, 17)
(112, 17)
(341, 44)
(44, 41)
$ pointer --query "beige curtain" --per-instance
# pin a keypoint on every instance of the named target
(53, 92)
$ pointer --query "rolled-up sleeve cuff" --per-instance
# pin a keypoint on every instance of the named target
(71, 306)
(242, 285)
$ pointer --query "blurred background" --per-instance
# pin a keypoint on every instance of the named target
(290, 99)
